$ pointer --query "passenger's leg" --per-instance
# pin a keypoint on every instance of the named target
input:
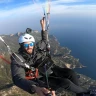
(66, 73)
(56, 83)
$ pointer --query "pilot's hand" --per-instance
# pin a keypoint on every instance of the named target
(41, 91)
(42, 22)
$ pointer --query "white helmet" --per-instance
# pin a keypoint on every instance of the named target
(26, 38)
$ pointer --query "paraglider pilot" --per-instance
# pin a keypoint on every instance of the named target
(43, 76)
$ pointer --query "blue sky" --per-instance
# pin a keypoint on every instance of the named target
(17, 15)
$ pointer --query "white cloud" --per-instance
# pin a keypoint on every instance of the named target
(29, 15)
(21, 11)
(67, 1)
(58, 7)
(75, 9)
(35, 9)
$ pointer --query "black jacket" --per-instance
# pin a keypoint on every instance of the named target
(18, 72)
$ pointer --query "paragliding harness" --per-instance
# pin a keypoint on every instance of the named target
(43, 68)
(31, 71)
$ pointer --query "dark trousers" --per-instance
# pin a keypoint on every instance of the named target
(64, 78)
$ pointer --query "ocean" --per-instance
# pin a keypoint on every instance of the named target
(82, 44)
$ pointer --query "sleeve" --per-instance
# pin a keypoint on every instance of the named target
(44, 35)
(18, 77)
(41, 45)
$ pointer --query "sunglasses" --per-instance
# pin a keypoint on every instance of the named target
(27, 45)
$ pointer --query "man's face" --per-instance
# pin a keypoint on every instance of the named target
(28, 46)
